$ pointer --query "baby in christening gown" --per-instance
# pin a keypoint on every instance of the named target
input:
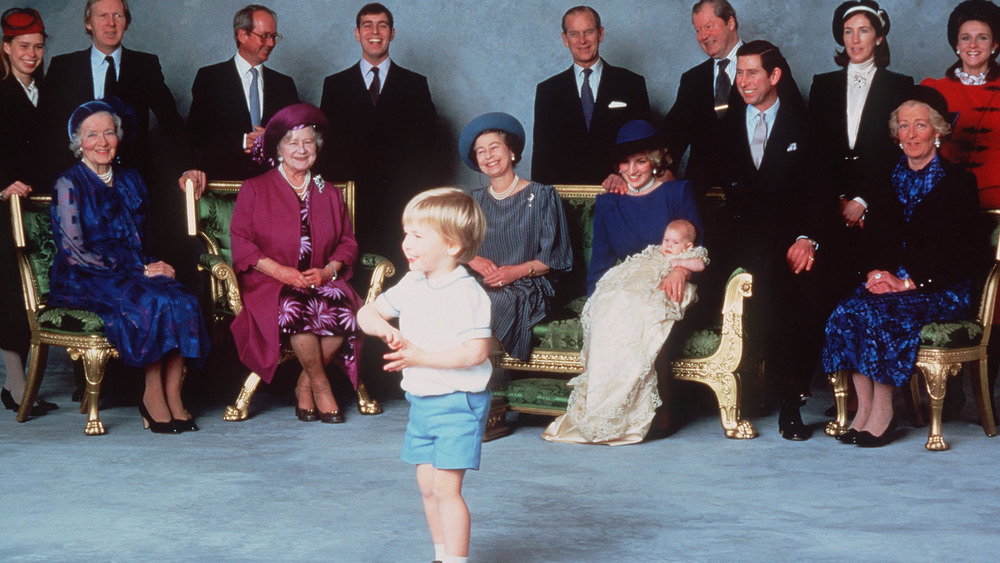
(625, 323)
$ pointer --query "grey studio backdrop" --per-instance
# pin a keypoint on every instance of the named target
(488, 55)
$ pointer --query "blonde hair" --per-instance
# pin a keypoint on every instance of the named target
(453, 214)
(685, 227)
(937, 120)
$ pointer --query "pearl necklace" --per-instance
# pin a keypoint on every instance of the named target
(643, 189)
(300, 191)
(106, 177)
(506, 193)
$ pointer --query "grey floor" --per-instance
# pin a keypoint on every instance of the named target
(275, 489)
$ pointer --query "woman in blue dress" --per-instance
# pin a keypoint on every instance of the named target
(100, 223)
(919, 270)
(626, 223)
(527, 242)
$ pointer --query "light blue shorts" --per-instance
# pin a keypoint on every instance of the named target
(446, 431)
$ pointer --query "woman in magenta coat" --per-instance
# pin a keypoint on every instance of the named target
(294, 251)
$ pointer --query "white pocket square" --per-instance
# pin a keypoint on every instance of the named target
(616, 104)
(791, 147)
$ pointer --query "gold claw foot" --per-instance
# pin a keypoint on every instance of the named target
(744, 431)
(94, 428)
(834, 429)
(371, 406)
(936, 444)
(234, 414)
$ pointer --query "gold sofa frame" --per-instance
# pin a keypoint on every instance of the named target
(937, 365)
(718, 371)
(224, 286)
(94, 350)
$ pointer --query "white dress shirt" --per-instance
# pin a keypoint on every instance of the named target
(595, 77)
(368, 75)
(730, 68)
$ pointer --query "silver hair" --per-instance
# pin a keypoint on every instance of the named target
(243, 19)
(937, 120)
(76, 144)
(317, 136)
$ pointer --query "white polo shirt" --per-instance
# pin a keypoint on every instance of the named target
(440, 315)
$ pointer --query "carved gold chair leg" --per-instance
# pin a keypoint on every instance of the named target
(727, 393)
(838, 380)
(37, 356)
(94, 362)
(367, 405)
(984, 401)
(936, 375)
(240, 410)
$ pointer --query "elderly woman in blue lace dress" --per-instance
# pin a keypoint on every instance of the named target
(919, 269)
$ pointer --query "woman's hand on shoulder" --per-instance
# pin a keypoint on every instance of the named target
(614, 184)
(159, 268)
(483, 266)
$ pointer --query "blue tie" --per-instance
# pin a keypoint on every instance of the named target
(254, 99)
(587, 97)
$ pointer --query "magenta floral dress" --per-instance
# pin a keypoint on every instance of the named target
(325, 310)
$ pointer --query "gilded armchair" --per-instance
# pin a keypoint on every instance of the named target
(80, 332)
(214, 212)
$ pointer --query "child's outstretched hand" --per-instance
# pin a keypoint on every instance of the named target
(393, 338)
(404, 355)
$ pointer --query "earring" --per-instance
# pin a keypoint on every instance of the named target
(937, 142)
(281, 159)
(901, 146)
(957, 52)
(513, 158)
(877, 43)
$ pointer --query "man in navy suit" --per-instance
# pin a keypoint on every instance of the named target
(771, 224)
(578, 112)
(109, 69)
(382, 133)
(232, 101)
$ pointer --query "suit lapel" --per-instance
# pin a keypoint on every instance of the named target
(778, 141)
(359, 92)
(233, 86)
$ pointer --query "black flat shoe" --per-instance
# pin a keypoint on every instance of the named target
(869, 440)
(185, 425)
(790, 424)
(306, 415)
(334, 417)
(849, 437)
(169, 427)
(40, 408)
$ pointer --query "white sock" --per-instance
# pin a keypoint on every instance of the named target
(15, 374)
(438, 551)
(454, 559)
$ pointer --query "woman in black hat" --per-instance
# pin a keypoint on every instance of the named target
(918, 271)
(972, 88)
(848, 111)
(21, 163)
(527, 242)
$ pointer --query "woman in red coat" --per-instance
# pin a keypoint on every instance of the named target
(972, 88)
(294, 251)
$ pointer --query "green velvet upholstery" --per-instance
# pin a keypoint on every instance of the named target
(71, 321)
(40, 248)
(536, 393)
(959, 334)
(215, 213)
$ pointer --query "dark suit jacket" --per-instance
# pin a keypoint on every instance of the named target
(692, 122)
(22, 156)
(70, 83)
(863, 171)
(565, 152)
(220, 117)
(937, 245)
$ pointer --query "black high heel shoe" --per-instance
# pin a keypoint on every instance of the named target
(186, 425)
(155, 427)
(849, 437)
(306, 415)
(41, 407)
(335, 417)
(868, 440)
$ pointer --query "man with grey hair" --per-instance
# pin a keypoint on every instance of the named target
(233, 100)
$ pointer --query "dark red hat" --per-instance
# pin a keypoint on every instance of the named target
(295, 116)
(21, 21)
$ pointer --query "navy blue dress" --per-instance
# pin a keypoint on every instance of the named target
(625, 225)
(879, 335)
(101, 233)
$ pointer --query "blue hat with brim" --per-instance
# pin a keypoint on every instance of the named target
(636, 136)
(486, 122)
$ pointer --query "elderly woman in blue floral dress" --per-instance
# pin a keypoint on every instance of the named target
(294, 251)
(919, 269)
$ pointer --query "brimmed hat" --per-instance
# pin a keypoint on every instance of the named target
(111, 105)
(974, 10)
(292, 117)
(634, 137)
(495, 120)
(853, 7)
(21, 21)
(929, 96)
